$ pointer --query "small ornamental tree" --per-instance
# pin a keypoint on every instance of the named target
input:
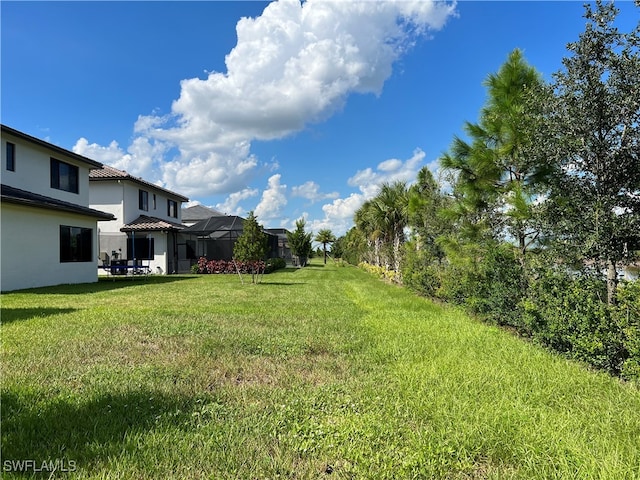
(300, 242)
(251, 246)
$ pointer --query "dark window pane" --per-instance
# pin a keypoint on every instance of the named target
(143, 200)
(76, 244)
(11, 157)
(172, 208)
(64, 176)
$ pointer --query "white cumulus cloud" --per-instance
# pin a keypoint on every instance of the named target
(231, 205)
(295, 64)
(369, 180)
(311, 191)
(338, 215)
(273, 199)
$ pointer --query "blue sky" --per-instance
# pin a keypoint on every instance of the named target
(297, 110)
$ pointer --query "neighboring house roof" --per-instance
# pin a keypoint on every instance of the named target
(144, 223)
(50, 146)
(277, 231)
(225, 223)
(107, 173)
(219, 227)
(30, 199)
(199, 212)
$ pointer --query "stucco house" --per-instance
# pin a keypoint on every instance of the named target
(48, 232)
(148, 225)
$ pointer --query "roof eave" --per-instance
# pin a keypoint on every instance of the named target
(50, 146)
(85, 211)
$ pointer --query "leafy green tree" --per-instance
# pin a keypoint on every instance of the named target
(251, 246)
(353, 246)
(424, 255)
(338, 247)
(593, 210)
(324, 236)
(300, 242)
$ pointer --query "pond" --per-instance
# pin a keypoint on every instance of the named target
(630, 273)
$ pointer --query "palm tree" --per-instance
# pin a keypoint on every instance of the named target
(392, 214)
(382, 220)
(325, 236)
(366, 221)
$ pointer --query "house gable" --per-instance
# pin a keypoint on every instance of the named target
(49, 232)
(44, 168)
(128, 197)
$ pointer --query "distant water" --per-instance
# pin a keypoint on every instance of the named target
(630, 273)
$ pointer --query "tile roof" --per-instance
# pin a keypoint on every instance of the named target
(30, 199)
(109, 173)
(145, 223)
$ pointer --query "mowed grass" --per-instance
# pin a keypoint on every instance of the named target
(322, 372)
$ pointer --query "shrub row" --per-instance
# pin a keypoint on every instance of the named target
(205, 266)
(564, 310)
(381, 272)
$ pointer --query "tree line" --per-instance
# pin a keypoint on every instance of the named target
(538, 209)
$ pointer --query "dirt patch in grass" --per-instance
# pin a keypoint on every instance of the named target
(129, 346)
(249, 371)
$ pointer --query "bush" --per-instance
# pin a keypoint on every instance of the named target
(274, 264)
(627, 314)
(420, 273)
(567, 312)
(381, 272)
(205, 266)
(489, 283)
(228, 266)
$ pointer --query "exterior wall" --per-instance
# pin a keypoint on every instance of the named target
(30, 254)
(107, 197)
(131, 201)
(159, 262)
(33, 171)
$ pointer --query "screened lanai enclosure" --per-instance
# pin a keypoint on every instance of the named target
(215, 237)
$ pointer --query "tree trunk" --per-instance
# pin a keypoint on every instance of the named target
(523, 248)
(612, 282)
(396, 253)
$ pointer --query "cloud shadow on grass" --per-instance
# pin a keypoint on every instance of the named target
(85, 432)
(10, 315)
(105, 284)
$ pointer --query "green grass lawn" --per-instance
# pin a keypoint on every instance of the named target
(322, 372)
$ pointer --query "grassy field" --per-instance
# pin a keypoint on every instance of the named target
(323, 372)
